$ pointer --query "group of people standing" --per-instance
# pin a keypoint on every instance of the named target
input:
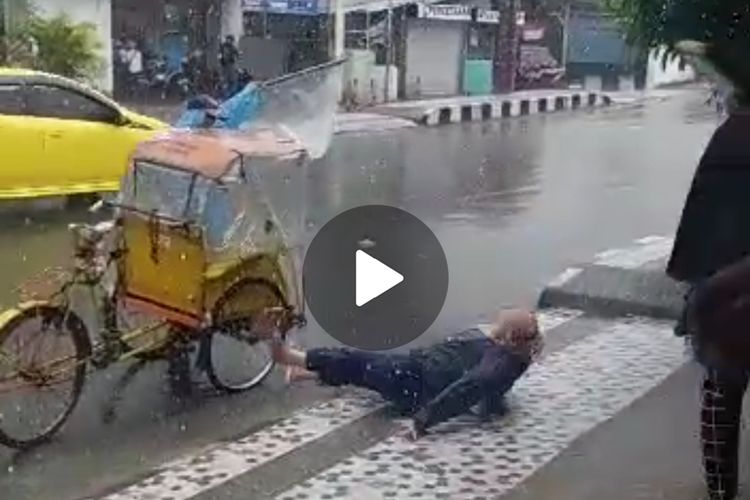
(130, 67)
(128, 62)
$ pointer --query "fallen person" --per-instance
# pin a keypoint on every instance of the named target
(436, 383)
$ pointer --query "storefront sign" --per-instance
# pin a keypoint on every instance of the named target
(460, 12)
(307, 7)
(445, 12)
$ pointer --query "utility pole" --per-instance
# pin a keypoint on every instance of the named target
(506, 46)
(338, 29)
(565, 35)
(388, 52)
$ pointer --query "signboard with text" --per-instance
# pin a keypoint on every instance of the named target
(458, 12)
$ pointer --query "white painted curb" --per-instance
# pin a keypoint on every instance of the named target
(492, 108)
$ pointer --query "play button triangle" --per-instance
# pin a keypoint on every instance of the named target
(373, 278)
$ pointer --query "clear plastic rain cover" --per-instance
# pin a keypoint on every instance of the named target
(302, 104)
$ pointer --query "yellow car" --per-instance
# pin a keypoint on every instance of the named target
(59, 137)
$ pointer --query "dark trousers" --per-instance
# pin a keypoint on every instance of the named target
(721, 411)
(396, 377)
(229, 75)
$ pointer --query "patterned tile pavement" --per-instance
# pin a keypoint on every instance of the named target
(192, 475)
(566, 395)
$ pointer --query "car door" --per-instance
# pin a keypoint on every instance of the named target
(20, 142)
(86, 149)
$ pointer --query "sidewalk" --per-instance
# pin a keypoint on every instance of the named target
(346, 123)
(440, 111)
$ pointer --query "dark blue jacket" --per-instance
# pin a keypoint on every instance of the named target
(464, 371)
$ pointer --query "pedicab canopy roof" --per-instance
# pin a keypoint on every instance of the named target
(211, 153)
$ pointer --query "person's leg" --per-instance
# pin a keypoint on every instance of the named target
(721, 409)
(393, 376)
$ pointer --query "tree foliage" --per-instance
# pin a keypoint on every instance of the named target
(653, 23)
(54, 44)
(65, 47)
(722, 25)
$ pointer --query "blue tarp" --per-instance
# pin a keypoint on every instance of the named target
(191, 118)
(241, 109)
(236, 113)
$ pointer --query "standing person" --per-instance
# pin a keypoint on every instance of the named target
(120, 65)
(133, 60)
(229, 55)
(436, 383)
(712, 239)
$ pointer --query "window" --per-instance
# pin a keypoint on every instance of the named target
(56, 102)
(162, 189)
(11, 100)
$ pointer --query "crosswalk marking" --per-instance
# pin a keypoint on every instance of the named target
(189, 476)
(567, 394)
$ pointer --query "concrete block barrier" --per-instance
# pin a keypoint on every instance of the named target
(496, 108)
(612, 292)
(620, 282)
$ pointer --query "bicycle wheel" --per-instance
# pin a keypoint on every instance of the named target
(237, 360)
(43, 354)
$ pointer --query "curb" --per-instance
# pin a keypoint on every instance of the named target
(510, 108)
(620, 282)
(611, 292)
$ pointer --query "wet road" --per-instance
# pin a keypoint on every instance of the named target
(513, 203)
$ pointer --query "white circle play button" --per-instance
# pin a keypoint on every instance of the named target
(375, 277)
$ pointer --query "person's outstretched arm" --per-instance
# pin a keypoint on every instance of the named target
(496, 373)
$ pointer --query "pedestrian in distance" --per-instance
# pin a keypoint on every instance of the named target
(712, 241)
(433, 384)
(229, 56)
(133, 61)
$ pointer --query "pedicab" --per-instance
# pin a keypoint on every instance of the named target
(204, 241)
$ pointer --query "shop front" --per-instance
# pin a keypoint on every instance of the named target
(450, 49)
(167, 32)
(281, 36)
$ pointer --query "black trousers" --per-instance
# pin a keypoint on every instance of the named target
(396, 377)
(721, 411)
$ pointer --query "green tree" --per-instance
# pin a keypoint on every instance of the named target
(655, 23)
(721, 26)
(65, 47)
(54, 44)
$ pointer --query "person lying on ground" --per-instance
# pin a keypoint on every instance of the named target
(436, 383)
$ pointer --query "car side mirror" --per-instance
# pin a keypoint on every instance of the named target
(122, 120)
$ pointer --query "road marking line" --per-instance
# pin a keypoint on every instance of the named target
(188, 476)
(645, 250)
(569, 393)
